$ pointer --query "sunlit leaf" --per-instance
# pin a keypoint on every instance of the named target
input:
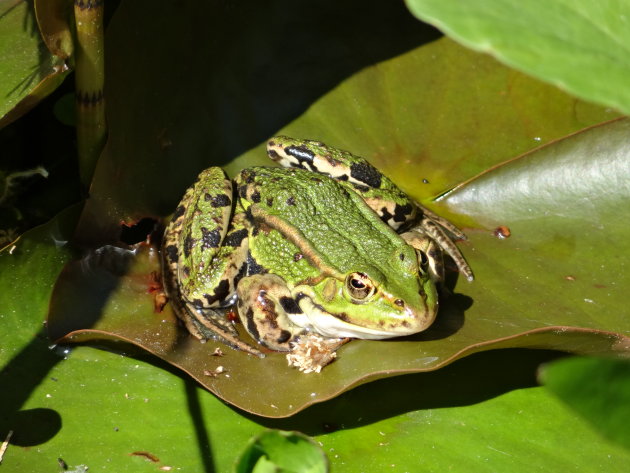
(598, 389)
(579, 45)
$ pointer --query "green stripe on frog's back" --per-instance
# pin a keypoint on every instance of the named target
(342, 231)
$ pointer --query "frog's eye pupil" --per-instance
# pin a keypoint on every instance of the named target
(357, 283)
(359, 286)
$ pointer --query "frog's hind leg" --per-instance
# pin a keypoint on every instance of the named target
(390, 203)
(202, 257)
(210, 324)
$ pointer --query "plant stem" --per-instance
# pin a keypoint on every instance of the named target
(90, 80)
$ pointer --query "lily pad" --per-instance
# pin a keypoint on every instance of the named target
(476, 115)
(546, 254)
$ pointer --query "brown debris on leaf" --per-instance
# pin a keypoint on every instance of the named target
(312, 352)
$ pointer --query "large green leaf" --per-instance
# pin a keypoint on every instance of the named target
(580, 45)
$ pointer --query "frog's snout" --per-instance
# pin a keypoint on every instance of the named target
(416, 317)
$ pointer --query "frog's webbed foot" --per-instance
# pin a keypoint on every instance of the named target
(442, 222)
(436, 228)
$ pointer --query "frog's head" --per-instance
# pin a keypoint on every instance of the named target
(365, 303)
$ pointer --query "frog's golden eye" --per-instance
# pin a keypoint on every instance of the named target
(359, 286)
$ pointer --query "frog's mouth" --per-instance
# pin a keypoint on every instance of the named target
(327, 324)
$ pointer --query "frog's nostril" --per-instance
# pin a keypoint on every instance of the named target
(399, 302)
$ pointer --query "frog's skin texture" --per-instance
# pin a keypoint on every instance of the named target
(324, 246)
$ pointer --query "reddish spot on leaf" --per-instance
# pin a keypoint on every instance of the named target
(502, 232)
(147, 455)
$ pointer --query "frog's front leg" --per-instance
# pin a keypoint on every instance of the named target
(265, 305)
(430, 256)
(435, 228)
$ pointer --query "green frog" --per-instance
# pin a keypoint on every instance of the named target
(325, 246)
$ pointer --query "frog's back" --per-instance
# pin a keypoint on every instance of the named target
(335, 222)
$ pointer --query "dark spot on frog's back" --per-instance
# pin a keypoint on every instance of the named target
(210, 238)
(172, 253)
(385, 215)
(290, 306)
(269, 201)
(366, 173)
(401, 212)
(220, 200)
(291, 201)
(249, 176)
(301, 153)
(242, 191)
(189, 242)
(255, 197)
(252, 265)
(179, 211)
(220, 293)
(361, 188)
(235, 238)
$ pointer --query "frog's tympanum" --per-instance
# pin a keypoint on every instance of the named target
(322, 249)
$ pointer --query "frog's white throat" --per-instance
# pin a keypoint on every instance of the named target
(317, 320)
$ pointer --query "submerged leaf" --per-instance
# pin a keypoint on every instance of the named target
(279, 451)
